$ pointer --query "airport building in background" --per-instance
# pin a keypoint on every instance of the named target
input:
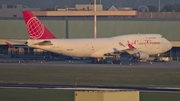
(78, 23)
(14, 10)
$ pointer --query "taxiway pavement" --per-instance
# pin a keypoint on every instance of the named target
(86, 63)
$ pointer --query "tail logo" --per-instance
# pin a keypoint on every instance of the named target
(35, 28)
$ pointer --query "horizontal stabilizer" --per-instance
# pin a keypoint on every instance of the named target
(17, 45)
(16, 42)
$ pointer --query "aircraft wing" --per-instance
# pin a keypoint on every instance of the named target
(115, 52)
(130, 50)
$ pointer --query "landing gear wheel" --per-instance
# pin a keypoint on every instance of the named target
(94, 61)
(103, 61)
(116, 61)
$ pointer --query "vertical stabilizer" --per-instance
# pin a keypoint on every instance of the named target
(35, 27)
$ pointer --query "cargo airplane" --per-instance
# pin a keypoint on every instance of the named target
(139, 46)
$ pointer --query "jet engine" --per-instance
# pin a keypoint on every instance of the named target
(141, 55)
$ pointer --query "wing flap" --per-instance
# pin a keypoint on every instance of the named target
(115, 52)
(130, 50)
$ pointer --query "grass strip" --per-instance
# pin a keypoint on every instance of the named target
(162, 77)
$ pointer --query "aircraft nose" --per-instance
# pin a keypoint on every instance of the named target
(168, 44)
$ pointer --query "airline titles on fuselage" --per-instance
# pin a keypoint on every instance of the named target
(145, 42)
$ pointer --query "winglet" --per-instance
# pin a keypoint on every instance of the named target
(116, 50)
(131, 46)
(35, 28)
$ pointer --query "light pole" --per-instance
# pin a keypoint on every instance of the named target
(159, 6)
(95, 19)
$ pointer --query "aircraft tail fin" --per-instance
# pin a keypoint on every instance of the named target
(35, 27)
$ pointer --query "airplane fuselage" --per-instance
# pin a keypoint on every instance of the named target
(97, 48)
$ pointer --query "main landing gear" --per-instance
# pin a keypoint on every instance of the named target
(99, 61)
(104, 61)
(116, 59)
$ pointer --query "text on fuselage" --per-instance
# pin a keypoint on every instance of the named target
(145, 42)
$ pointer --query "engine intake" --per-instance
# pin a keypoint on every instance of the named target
(141, 55)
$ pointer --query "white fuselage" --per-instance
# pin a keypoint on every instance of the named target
(96, 48)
